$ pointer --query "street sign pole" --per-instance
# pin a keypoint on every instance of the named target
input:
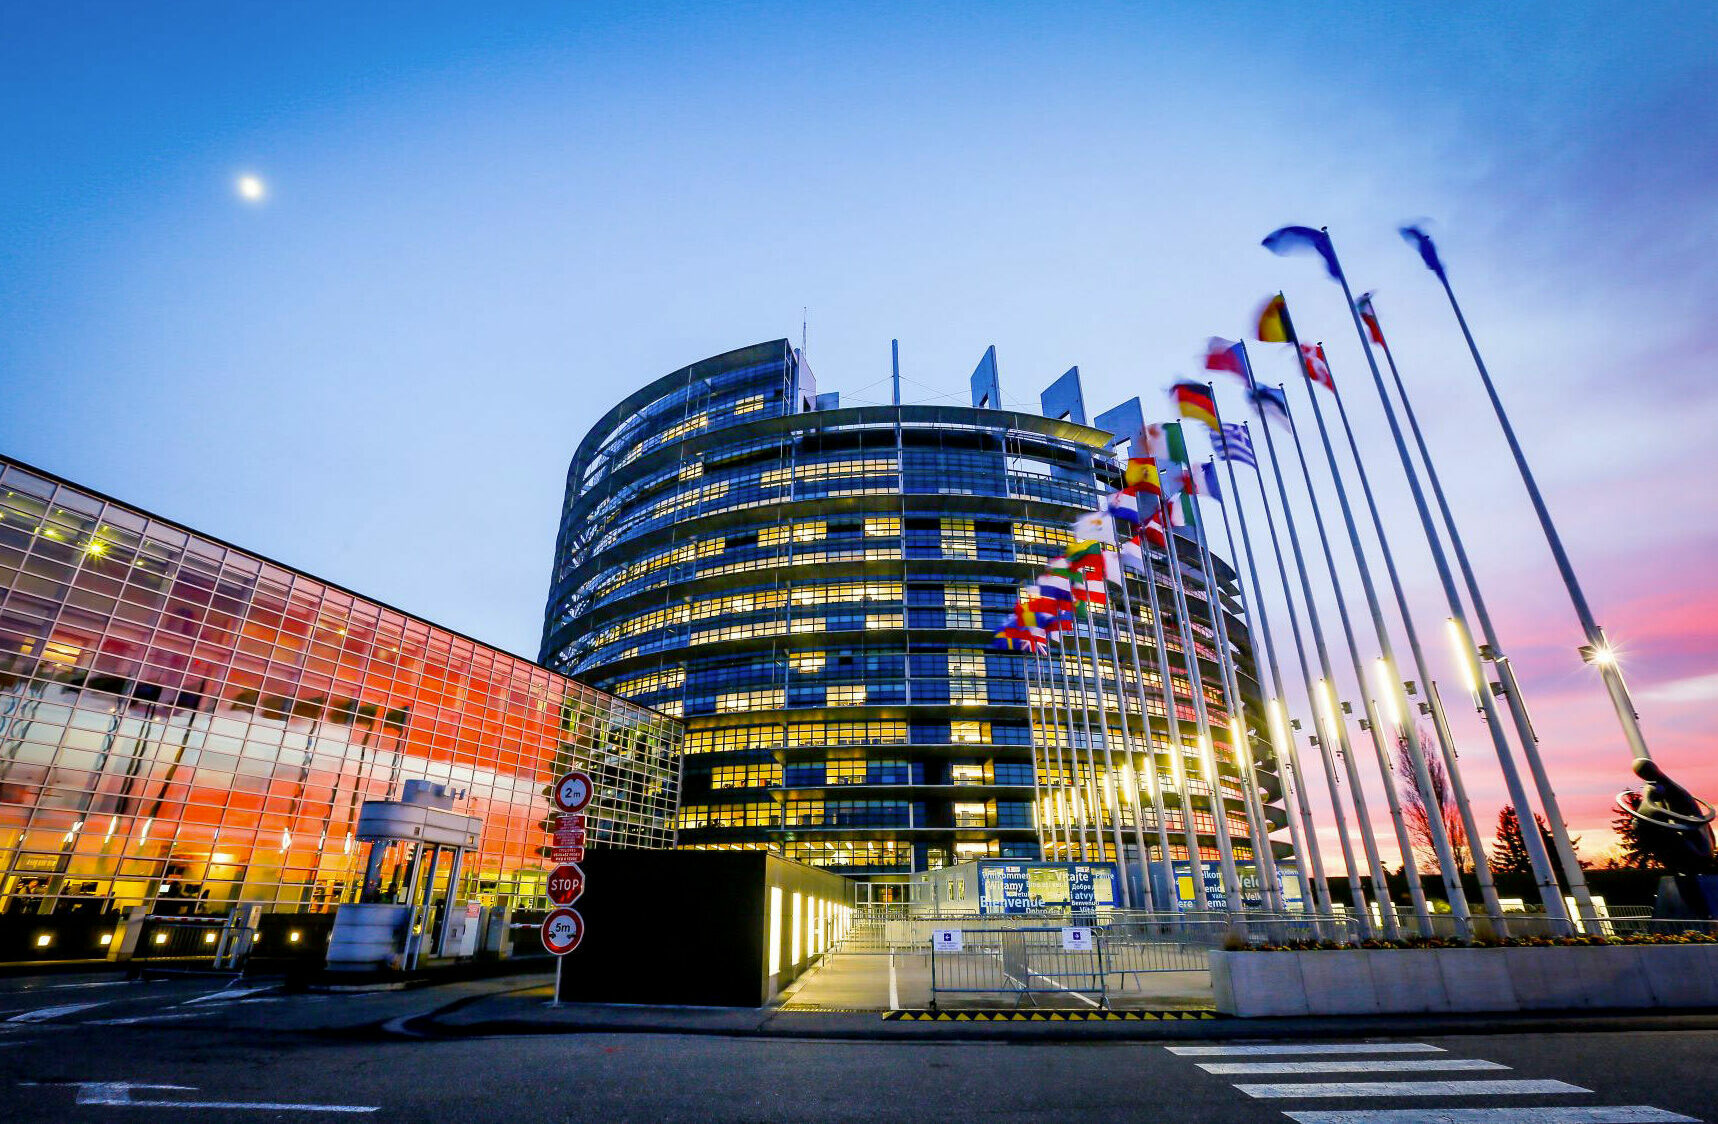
(559, 960)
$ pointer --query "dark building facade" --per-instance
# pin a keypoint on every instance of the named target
(813, 590)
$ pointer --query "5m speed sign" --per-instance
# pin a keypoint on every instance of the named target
(573, 792)
(563, 929)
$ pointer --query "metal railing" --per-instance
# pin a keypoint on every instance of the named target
(1022, 962)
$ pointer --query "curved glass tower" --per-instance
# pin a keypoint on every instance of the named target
(814, 591)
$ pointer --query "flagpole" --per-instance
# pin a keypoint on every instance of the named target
(1201, 716)
(1094, 716)
(1127, 742)
(1033, 723)
(1150, 756)
(1282, 738)
(1178, 752)
(1356, 890)
(1598, 650)
(1076, 789)
(1512, 694)
(1375, 724)
(1264, 862)
(1332, 706)
(1543, 876)
(1064, 797)
(1111, 787)
(1306, 679)
(1285, 778)
(1450, 869)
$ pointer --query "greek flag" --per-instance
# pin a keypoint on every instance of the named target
(1235, 444)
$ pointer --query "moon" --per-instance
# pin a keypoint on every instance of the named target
(250, 188)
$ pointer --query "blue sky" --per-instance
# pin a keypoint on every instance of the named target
(485, 225)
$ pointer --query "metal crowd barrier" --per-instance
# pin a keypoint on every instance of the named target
(1022, 962)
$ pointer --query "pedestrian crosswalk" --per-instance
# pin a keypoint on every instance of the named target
(1416, 1080)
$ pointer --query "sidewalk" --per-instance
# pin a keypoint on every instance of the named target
(527, 1011)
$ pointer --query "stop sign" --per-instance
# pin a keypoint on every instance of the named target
(563, 929)
(566, 883)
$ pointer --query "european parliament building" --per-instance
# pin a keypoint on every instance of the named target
(813, 589)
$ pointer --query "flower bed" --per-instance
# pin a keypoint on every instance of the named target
(1691, 936)
(1429, 976)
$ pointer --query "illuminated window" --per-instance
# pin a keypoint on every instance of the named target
(882, 527)
(692, 470)
(849, 695)
(733, 701)
(847, 771)
(766, 775)
(969, 733)
(749, 405)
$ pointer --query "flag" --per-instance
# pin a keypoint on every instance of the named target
(1056, 586)
(1271, 402)
(1235, 444)
(1227, 355)
(1195, 400)
(1088, 596)
(1132, 555)
(1317, 367)
(1422, 242)
(1182, 464)
(1087, 559)
(1017, 639)
(1092, 527)
(1149, 442)
(1274, 325)
(1123, 508)
(1034, 598)
(1208, 481)
(1370, 318)
(1140, 475)
(1294, 239)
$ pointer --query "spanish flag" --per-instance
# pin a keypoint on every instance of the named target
(1193, 400)
(1274, 324)
(1141, 475)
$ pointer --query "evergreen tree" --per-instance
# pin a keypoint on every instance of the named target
(1627, 830)
(1509, 855)
(1509, 850)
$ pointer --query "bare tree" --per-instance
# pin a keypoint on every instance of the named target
(1418, 813)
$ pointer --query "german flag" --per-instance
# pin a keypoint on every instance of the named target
(1274, 325)
(1194, 400)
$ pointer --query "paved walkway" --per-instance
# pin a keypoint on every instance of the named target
(881, 981)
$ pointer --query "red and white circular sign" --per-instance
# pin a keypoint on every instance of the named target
(573, 792)
(563, 930)
(566, 883)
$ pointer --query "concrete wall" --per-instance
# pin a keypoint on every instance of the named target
(1402, 981)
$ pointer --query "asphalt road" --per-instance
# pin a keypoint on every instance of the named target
(96, 1050)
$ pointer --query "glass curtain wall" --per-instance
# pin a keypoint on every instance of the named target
(187, 726)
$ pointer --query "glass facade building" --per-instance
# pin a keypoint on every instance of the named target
(814, 589)
(189, 727)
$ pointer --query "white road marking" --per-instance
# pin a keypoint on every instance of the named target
(1565, 1114)
(226, 996)
(1514, 1088)
(110, 1093)
(42, 1013)
(135, 1019)
(1087, 1000)
(1351, 1065)
(894, 988)
(1306, 1048)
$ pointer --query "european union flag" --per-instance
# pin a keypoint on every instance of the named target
(1294, 239)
